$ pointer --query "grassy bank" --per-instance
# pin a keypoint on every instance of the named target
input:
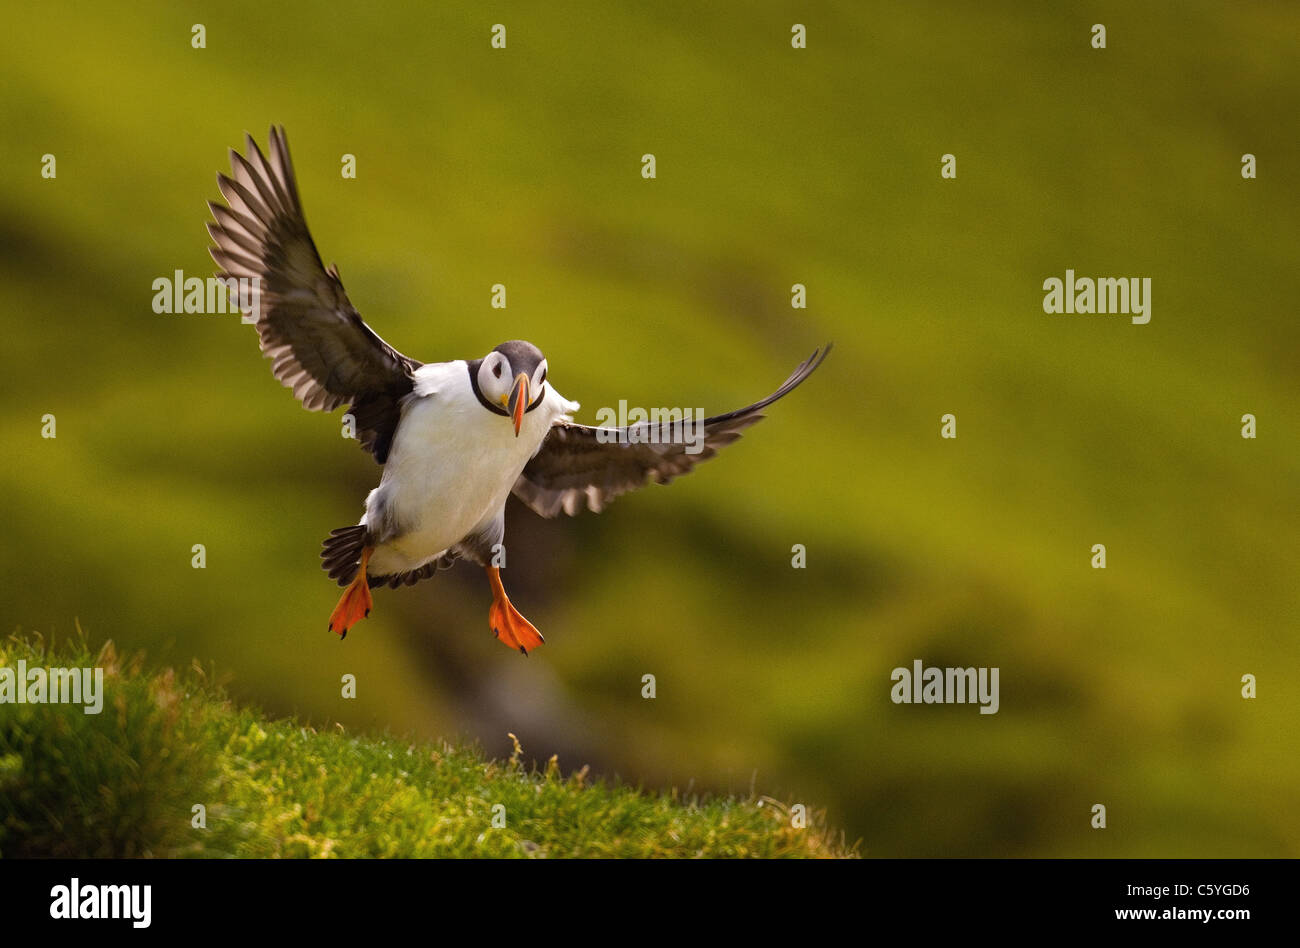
(125, 782)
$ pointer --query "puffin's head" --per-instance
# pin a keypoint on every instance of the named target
(512, 376)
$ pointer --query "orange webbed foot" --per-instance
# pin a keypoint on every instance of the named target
(355, 603)
(508, 625)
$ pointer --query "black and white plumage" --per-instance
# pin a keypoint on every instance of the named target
(455, 438)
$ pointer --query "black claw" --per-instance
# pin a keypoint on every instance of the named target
(367, 615)
(343, 635)
(524, 650)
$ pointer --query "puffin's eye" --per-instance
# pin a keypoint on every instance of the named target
(542, 380)
(496, 370)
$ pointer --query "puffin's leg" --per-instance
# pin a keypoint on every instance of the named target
(354, 605)
(507, 624)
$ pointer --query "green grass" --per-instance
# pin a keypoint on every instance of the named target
(123, 783)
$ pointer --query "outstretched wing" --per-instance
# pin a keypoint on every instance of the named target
(579, 467)
(318, 344)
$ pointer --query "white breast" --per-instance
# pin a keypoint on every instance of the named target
(451, 466)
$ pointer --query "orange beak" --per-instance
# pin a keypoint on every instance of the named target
(518, 402)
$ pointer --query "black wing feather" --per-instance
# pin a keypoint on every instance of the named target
(317, 342)
(583, 468)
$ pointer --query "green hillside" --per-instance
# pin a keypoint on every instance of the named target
(128, 782)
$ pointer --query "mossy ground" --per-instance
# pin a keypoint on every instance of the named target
(124, 783)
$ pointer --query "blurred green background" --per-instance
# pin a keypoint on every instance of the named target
(775, 166)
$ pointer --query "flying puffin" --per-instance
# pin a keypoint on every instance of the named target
(455, 439)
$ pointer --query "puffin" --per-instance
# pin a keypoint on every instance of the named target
(454, 439)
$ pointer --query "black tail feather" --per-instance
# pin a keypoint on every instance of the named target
(341, 553)
(341, 558)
